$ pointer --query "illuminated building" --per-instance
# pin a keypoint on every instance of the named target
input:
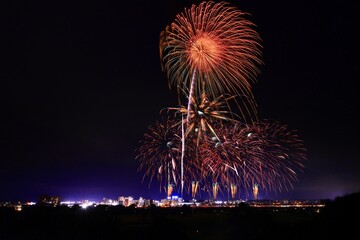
(256, 191)
(125, 201)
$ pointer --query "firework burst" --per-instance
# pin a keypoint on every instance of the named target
(158, 152)
(264, 154)
(203, 113)
(215, 44)
(210, 48)
(211, 53)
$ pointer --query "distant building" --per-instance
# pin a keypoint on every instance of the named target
(121, 200)
(148, 202)
(126, 201)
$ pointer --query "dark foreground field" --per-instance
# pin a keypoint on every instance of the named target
(337, 220)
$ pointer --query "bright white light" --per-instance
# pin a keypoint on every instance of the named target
(86, 204)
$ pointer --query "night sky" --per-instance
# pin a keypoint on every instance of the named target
(81, 82)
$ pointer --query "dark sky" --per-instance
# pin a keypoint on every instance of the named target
(81, 82)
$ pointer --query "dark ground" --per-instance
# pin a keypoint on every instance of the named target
(337, 220)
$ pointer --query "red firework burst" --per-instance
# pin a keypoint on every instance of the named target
(159, 154)
(266, 154)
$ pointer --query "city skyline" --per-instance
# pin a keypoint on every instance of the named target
(82, 82)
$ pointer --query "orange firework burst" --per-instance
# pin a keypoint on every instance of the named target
(214, 43)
